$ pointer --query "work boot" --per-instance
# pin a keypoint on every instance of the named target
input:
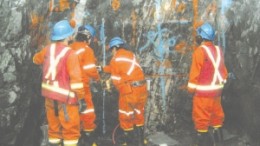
(218, 136)
(204, 139)
(89, 139)
(139, 133)
(128, 138)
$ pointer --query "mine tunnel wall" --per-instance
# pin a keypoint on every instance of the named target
(161, 33)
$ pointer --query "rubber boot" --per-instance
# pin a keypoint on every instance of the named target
(128, 138)
(89, 139)
(218, 136)
(139, 130)
(204, 139)
(44, 141)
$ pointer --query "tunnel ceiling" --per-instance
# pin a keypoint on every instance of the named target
(160, 32)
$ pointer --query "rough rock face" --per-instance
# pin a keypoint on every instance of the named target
(160, 32)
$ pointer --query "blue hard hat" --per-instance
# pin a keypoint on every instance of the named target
(116, 41)
(61, 30)
(206, 31)
(91, 30)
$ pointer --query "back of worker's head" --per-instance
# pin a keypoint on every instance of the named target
(116, 42)
(61, 30)
(85, 33)
(206, 32)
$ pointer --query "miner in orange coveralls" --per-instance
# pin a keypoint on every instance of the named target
(62, 87)
(207, 77)
(84, 37)
(128, 77)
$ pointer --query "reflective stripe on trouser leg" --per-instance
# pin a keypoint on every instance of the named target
(203, 110)
(54, 140)
(218, 115)
(58, 126)
(70, 142)
(88, 118)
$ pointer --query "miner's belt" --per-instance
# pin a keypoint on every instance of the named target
(138, 83)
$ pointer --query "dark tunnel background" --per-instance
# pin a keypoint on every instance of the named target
(161, 33)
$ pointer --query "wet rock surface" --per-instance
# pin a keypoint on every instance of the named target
(161, 33)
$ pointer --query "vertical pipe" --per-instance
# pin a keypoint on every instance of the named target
(103, 41)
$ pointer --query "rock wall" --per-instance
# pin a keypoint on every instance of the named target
(160, 32)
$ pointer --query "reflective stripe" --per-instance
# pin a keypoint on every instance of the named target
(216, 63)
(88, 111)
(54, 61)
(217, 126)
(139, 125)
(137, 111)
(126, 113)
(70, 142)
(54, 140)
(202, 130)
(191, 85)
(205, 87)
(76, 85)
(58, 90)
(89, 66)
(133, 63)
(80, 51)
(129, 129)
(115, 78)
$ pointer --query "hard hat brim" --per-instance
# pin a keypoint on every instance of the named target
(56, 38)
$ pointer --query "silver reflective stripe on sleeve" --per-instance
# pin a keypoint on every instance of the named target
(85, 67)
(115, 78)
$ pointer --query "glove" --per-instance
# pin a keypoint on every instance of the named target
(106, 84)
(99, 68)
(82, 105)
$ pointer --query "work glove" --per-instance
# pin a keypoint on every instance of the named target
(106, 84)
(99, 68)
(82, 105)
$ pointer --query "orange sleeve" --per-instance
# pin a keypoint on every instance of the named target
(197, 62)
(90, 65)
(74, 71)
(38, 58)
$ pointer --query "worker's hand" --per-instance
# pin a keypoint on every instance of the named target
(106, 84)
(82, 106)
(99, 68)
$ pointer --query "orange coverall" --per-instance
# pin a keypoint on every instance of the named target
(66, 125)
(207, 111)
(88, 65)
(125, 70)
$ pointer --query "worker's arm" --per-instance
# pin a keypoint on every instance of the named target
(76, 83)
(74, 71)
(197, 62)
(38, 58)
(89, 65)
